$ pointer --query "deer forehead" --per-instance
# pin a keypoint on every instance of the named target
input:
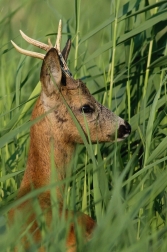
(80, 94)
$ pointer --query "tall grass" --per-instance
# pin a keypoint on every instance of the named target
(119, 50)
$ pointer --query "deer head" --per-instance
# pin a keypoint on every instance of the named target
(58, 88)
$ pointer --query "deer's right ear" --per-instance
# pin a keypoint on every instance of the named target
(51, 73)
(66, 50)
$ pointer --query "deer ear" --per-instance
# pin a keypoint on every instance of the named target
(66, 50)
(51, 73)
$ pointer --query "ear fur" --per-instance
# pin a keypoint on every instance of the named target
(51, 73)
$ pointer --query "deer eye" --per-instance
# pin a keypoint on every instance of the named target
(87, 109)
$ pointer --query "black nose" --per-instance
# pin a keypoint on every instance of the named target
(124, 130)
(127, 128)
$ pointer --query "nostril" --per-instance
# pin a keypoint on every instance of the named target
(127, 128)
(124, 130)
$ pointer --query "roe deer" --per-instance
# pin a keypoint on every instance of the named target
(59, 90)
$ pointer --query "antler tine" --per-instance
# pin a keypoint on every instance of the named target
(35, 42)
(50, 43)
(64, 66)
(28, 53)
(58, 40)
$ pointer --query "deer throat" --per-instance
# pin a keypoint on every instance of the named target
(39, 166)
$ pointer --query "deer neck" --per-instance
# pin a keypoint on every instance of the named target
(43, 139)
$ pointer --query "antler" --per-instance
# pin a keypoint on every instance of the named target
(45, 47)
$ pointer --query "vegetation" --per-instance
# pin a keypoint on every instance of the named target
(119, 50)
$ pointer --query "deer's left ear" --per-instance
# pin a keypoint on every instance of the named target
(51, 73)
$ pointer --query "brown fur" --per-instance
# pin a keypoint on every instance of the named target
(60, 92)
